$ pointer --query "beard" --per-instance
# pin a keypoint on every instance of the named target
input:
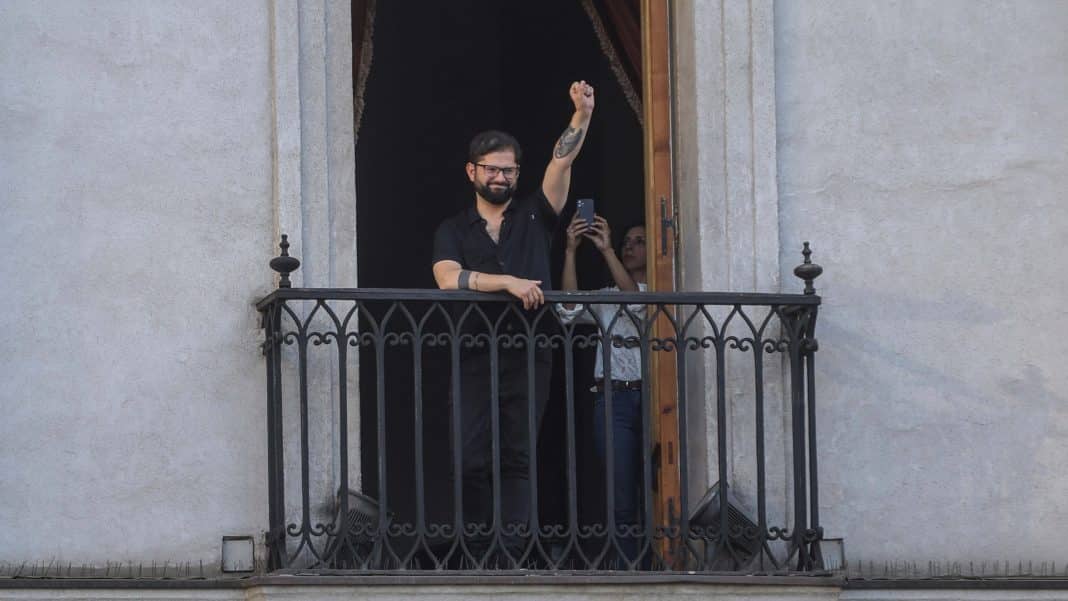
(497, 196)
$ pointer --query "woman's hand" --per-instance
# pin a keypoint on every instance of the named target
(600, 234)
(575, 230)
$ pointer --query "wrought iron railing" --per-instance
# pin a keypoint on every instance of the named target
(326, 514)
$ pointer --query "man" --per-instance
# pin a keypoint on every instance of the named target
(502, 244)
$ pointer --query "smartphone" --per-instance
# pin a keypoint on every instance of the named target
(584, 209)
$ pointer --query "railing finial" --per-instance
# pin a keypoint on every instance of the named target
(808, 270)
(285, 264)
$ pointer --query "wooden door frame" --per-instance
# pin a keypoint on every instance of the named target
(661, 255)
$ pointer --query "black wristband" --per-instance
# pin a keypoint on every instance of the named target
(464, 281)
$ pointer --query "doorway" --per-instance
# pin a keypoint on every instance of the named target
(441, 72)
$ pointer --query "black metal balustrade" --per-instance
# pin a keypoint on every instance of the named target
(765, 336)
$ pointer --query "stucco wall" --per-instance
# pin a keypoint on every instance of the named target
(724, 159)
(921, 148)
(135, 223)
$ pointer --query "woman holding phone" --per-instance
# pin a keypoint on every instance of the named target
(623, 382)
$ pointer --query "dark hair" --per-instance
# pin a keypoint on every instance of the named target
(618, 246)
(492, 141)
(623, 234)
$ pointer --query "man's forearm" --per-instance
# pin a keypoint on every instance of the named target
(465, 279)
(491, 282)
(488, 282)
(557, 178)
(570, 142)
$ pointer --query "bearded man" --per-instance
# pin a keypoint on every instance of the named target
(501, 243)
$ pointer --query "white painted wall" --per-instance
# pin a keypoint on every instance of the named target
(135, 223)
(725, 174)
(922, 149)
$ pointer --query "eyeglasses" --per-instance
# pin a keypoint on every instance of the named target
(493, 170)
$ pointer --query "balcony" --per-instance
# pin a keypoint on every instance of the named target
(719, 372)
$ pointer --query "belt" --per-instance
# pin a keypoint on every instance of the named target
(617, 385)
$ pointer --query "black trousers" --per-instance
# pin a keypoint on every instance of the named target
(515, 443)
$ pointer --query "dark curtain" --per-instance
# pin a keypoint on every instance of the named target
(363, 19)
(622, 23)
(616, 23)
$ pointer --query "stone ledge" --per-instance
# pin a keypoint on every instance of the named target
(955, 583)
(515, 585)
(422, 578)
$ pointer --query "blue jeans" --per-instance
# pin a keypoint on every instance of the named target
(626, 458)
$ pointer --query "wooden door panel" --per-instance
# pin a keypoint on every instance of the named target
(659, 208)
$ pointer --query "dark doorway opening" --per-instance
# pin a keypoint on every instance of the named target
(441, 72)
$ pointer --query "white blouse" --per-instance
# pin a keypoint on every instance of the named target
(626, 360)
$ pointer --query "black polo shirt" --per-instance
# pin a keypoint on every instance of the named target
(523, 248)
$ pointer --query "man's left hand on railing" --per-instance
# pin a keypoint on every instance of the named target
(528, 291)
(451, 276)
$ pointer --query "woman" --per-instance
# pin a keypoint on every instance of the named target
(625, 372)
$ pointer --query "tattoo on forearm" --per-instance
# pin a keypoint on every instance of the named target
(567, 142)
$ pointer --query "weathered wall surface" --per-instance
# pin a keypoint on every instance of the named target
(135, 221)
(921, 148)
